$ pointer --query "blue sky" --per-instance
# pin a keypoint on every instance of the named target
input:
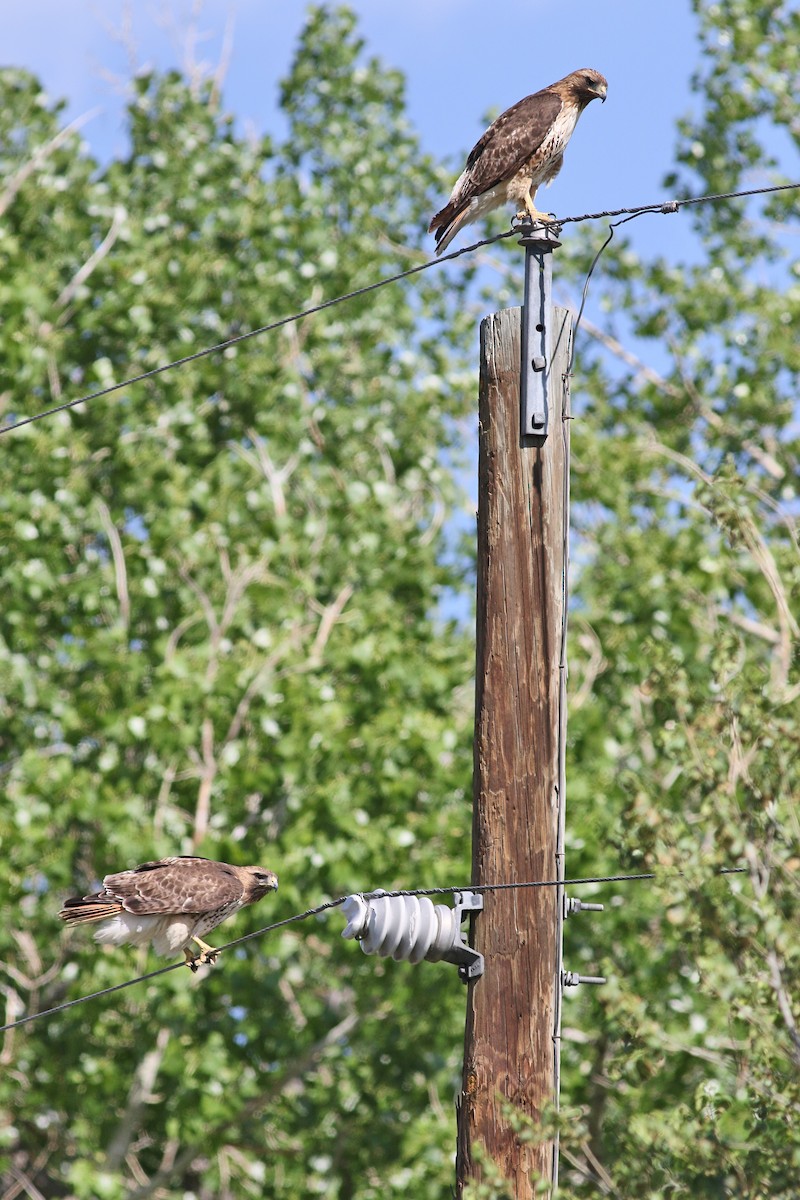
(461, 58)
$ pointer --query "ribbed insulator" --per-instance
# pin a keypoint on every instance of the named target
(413, 928)
(402, 927)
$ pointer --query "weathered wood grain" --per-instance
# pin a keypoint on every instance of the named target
(509, 1049)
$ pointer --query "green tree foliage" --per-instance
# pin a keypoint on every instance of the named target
(685, 738)
(219, 633)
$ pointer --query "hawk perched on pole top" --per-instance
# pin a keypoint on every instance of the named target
(170, 903)
(520, 151)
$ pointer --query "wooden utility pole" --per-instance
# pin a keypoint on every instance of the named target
(511, 1046)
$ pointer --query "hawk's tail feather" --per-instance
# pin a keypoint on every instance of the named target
(441, 219)
(84, 909)
(447, 224)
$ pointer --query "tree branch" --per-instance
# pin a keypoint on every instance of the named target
(94, 259)
(118, 555)
(209, 773)
(139, 1095)
(330, 615)
(39, 156)
(785, 1005)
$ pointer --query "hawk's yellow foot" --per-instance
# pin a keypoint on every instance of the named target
(533, 212)
(206, 957)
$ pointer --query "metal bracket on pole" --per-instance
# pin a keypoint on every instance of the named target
(470, 962)
(537, 320)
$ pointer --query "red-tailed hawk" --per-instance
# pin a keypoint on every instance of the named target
(520, 151)
(170, 903)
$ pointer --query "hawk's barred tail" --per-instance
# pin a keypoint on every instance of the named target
(447, 226)
(84, 909)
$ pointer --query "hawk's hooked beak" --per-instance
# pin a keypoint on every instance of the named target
(602, 92)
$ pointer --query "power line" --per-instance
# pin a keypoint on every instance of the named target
(118, 987)
(672, 206)
(669, 206)
(243, 337)
(329, 904)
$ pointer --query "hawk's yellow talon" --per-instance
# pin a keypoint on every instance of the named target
(207, 956)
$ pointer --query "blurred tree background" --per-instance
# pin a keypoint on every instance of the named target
(224, 631)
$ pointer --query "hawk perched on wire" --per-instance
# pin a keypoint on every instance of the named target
(170, 903)
(520, 151)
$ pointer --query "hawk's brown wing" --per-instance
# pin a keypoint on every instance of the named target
(174, 885)
(510, 142)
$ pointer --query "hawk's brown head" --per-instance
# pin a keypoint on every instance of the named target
(585, 85)
(256, 883)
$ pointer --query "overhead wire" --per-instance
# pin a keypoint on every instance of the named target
(329, 904)
(669, 206)
(672, 206)
(251, 333)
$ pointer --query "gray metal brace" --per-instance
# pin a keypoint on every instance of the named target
(470, 962)
(537, 314)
